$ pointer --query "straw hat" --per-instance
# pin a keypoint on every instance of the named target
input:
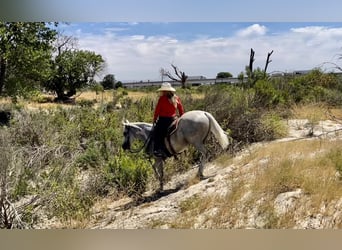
(166, 86)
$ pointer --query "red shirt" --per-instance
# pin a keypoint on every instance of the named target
(166, 108)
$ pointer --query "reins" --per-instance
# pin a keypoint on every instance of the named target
(144, 145)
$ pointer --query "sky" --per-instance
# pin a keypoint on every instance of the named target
(136, 51)
(201, 37)
(173, 10)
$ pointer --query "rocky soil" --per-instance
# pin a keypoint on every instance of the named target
(165, 208)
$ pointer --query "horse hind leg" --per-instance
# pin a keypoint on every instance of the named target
(203, 159)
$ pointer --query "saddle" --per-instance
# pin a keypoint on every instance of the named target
(168, 150)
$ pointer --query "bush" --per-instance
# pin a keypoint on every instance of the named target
(129, 175)
(85, 103)
(266, 95)
(68, 202)
(272, 127)
(90, 158)
(313, 87)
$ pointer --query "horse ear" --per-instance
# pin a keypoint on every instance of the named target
(125, 122)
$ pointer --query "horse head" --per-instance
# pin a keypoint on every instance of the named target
(136, 130)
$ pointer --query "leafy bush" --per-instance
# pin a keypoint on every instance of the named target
(36, 96)
(90, 158)
(68, 201)
(235, 110)
(86, 103)
(266, 94)
(129, 175)
(313, 87)
(272, 127)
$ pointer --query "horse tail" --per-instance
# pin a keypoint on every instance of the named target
(218, 132)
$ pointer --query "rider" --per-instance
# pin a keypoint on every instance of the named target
(164, 114)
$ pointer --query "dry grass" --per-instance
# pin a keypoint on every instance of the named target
(192, 211)
(100, 97)
(306, 164)
(310, 111)
(316, 112)
(107, 95)
(261, 176)
(224, 160)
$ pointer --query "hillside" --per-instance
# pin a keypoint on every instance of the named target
(268, 185)
(292, 182)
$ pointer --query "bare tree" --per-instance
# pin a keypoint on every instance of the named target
(180, 76)
(255, 74)
(251, 61)
(65, 43)
(335, 65)
(268, 60)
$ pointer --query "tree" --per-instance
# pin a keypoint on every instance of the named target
(256, 74)
(180, 75)
(224, 75)
(268, 61)
(25, 52)
(73, 69)
(108, 82)
(250, 66)
(118, 84)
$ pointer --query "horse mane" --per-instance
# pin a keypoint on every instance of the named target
(141, 123)
(128, 123)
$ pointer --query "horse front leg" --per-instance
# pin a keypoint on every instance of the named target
(158, 168)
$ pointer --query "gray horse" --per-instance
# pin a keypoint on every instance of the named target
(193, 128)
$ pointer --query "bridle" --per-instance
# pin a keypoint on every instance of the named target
(143, 146)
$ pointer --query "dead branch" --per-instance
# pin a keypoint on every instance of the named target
(336, 66)
(268, 60)
(181, 76)
(251, 61)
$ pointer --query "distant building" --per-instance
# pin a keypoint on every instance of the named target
(301, 72)
(196, 77)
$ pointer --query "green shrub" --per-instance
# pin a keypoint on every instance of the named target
(242, 111)
(333, 97)
(313, 87)
(37, 96)
(129, 175)
(142, 110)
(272, 127)
(90, 158)
(266, 95)
(68, 202)
(86, 103)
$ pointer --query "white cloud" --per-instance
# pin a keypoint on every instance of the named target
(141, 57)
(255, 29)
